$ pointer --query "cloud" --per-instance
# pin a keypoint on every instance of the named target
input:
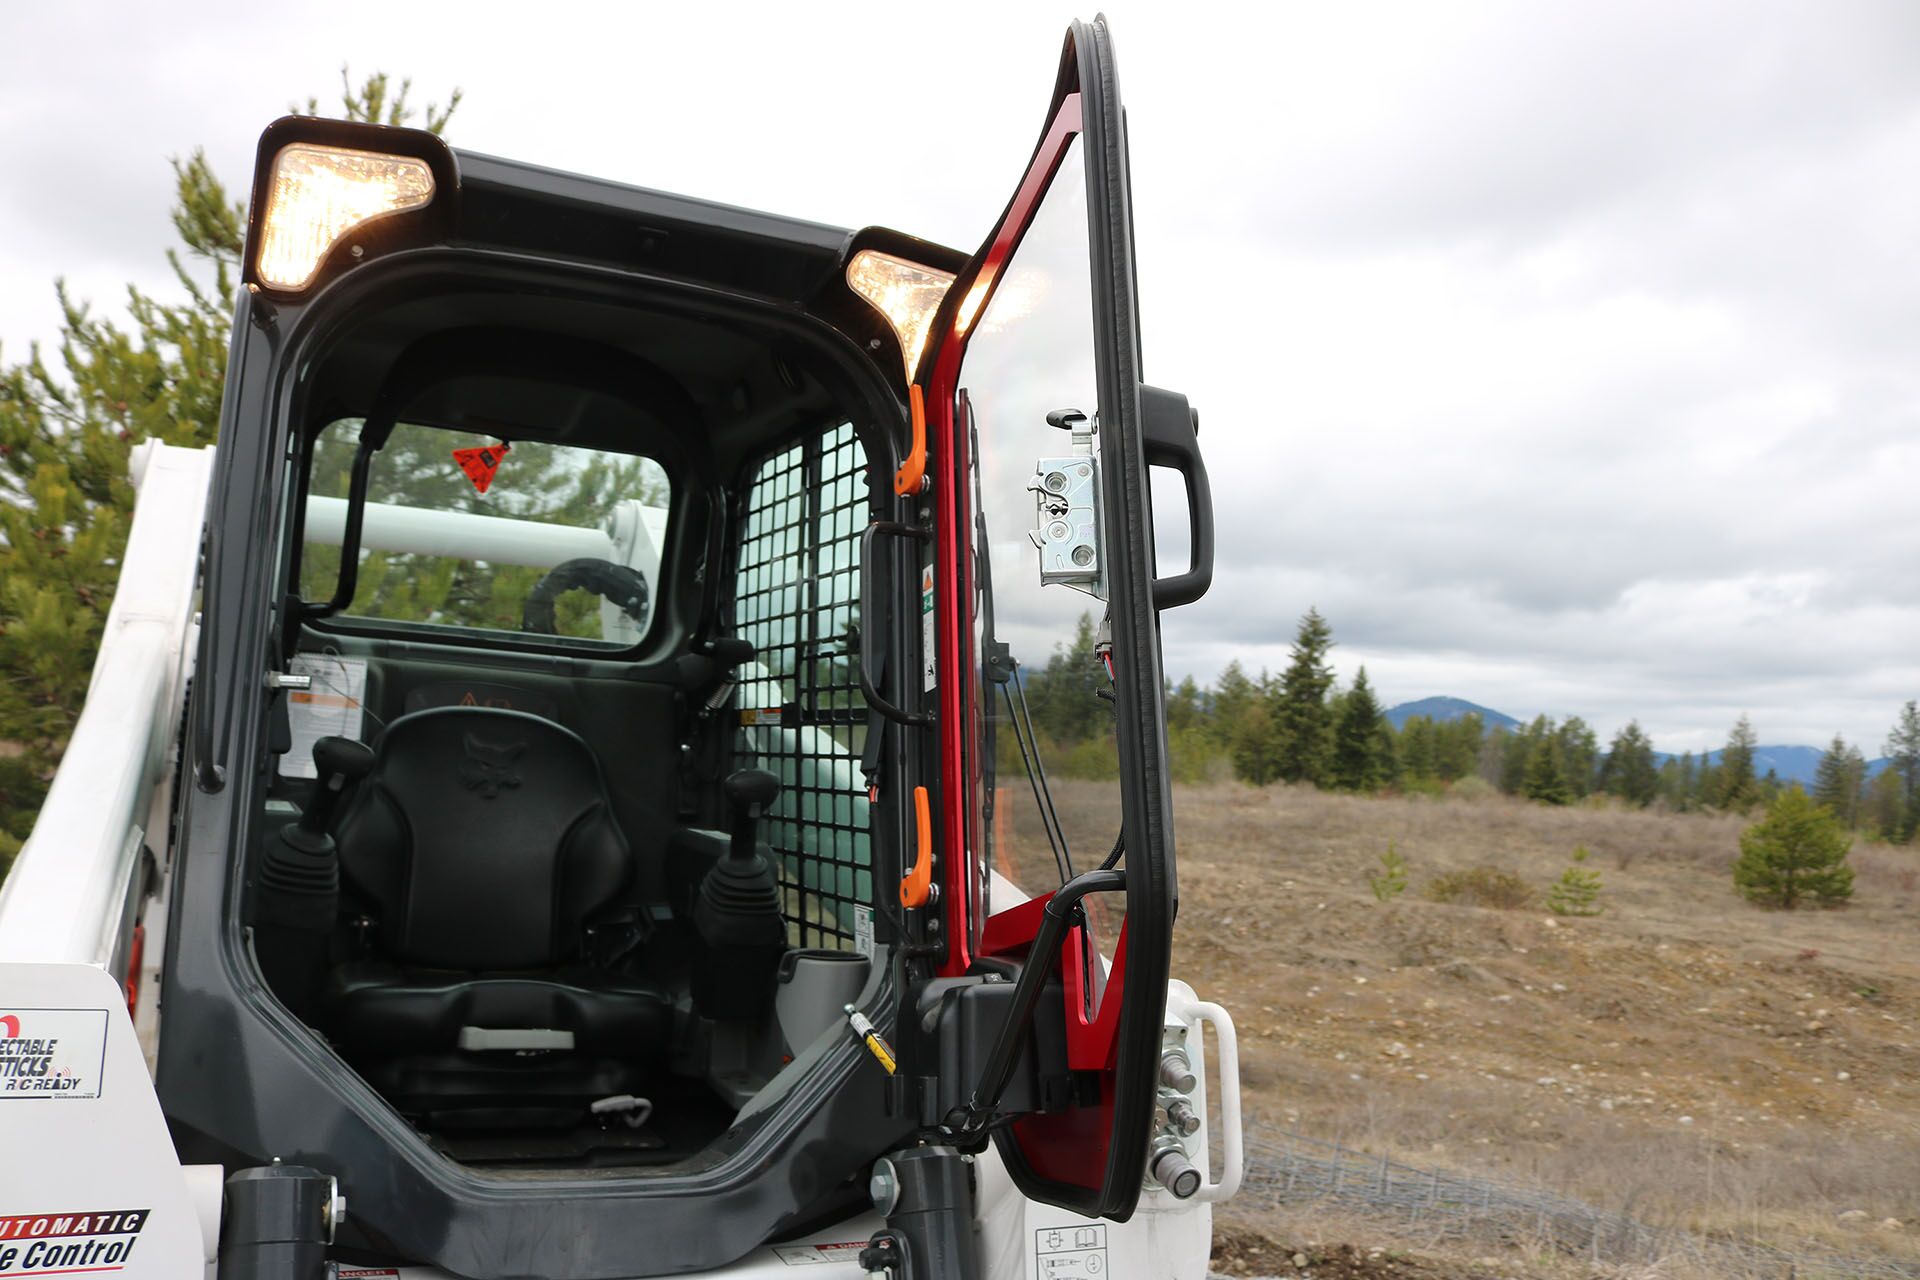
(1563, 355)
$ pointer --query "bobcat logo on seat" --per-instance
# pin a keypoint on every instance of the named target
(488, 768)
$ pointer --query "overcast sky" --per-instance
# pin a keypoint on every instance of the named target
(1566, 356)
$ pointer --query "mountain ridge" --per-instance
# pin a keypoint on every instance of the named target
(1790, 762)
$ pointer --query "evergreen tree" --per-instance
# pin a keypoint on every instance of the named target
(1419, 748)
(1186, 709)
(1798, 851)
(1629, 771)
(1734, 785)
(1357, 762)
(1577, 891)
(1515, 748)
(1231, 699)
(1903, 761)
(1579, 755)
(1391, 880)
(1881, 810)
(1302, 722)
(1255, 761)
(1837, 781)
(66, 428)
(1063, 695)
(1457, 746)
(1545, 778)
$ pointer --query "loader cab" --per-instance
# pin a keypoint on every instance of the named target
(612, 781)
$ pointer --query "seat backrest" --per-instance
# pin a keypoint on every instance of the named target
(483, 841)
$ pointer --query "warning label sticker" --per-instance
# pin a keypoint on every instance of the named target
(927, 651)
(863, 931)
(1070, 1253)
(88, 1240)
(52, 1053)
(333, 707)
(808, 1255)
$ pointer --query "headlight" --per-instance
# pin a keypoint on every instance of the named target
(907, 293)
(318, 194)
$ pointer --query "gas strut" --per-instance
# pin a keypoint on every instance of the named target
(1062, 909)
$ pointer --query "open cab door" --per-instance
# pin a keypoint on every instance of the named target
(1056, 820)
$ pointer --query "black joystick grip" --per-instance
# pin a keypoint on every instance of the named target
(751, 792)
(731, 651)
(752, 787)
(338, 761)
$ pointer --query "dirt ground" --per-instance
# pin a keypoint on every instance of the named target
(1684, 1056)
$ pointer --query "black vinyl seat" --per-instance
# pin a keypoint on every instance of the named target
(483, 850)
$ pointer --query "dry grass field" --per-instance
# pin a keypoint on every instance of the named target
(1684, 1056)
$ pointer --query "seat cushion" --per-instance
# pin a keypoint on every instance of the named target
(385, 1008)
(483, 841)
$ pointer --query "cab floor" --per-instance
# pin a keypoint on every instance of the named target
(681, 1124)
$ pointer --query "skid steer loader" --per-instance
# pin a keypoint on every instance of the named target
(559, 795)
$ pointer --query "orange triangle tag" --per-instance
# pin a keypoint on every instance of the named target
(481, 463)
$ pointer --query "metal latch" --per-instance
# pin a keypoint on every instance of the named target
(1067, 510)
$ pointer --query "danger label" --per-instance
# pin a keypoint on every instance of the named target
(1071, 1253)
(807, 1255)
(88, 1240)
(52, 1053)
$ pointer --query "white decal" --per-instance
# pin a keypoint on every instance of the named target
(927, 650)
(808, 1255)
(863, 931)
(332, 708)
(52, 1053)
(92, 1240)
(1070, 1252)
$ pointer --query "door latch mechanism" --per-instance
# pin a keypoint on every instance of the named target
(1067, 510)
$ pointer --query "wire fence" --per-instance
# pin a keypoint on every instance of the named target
(1286, 1170)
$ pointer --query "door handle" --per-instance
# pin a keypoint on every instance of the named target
(1170, 437)
(876, 700)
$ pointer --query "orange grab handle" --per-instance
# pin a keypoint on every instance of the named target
(917, 889)
(906, 481)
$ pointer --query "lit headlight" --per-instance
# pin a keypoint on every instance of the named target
(318, 194)
(906, 293)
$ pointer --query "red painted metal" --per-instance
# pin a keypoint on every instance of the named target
(953, 568)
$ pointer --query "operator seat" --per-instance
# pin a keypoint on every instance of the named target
(480, 853)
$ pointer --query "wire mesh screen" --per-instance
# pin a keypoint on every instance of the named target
(796, 596)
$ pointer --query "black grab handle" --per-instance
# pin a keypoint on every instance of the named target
(868, 613)
(1171, 438)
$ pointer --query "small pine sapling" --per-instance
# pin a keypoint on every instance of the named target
(1391, 882)
(1577, 892)
(1796, 854)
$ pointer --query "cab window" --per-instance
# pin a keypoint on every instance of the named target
(554, 544)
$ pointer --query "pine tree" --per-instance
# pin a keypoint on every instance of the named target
(66, 428)
(1734, 785)
(1232, 697)
(1903, 760)
(1457, 747)
(1798, 851)
(1302, 722)
(1419, 748)
(1577, 891)
(1357, 762)
(1838, 779)
(1391, 880)
(1545, 779)
(1629, 771)
(1881, 810)
(1255, 761)
(1579, 755)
